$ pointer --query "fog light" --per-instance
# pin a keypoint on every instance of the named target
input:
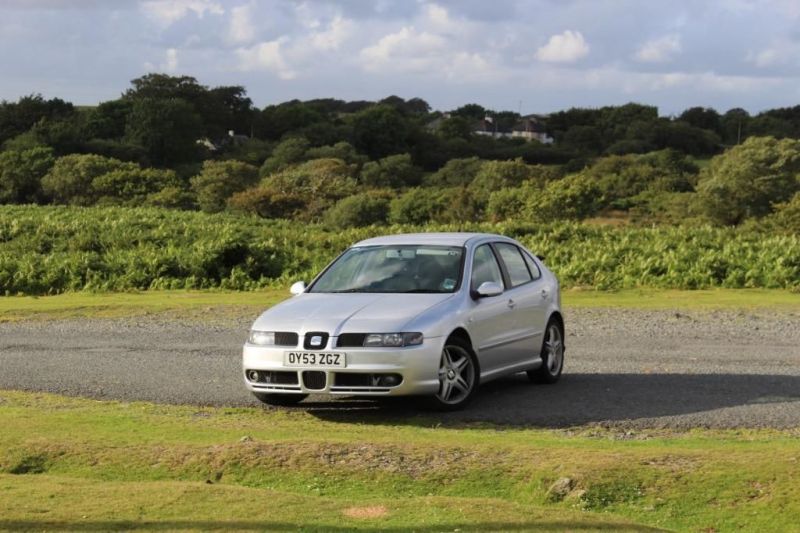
(391, 380)
(252, 375)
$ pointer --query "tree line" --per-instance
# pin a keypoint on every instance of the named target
(170, 141)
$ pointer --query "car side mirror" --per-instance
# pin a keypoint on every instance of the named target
(540, 257)
(489, 288)
(298, 287)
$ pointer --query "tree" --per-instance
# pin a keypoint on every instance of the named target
(456, 127)
(278, 120)
(395, 171)
(494, 175)
(455, 172)
(18, 117)
(321, 181)
(702, 117)
(748, 179)
(168, 129)
(219, 180)
(21, 174)
(70, 180)
(359, 210)
(132, 185)
(289, 152)
(380, 131)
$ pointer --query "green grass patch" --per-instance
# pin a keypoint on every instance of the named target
(219, 304)
(76, 463)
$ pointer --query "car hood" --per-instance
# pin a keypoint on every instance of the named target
(347, 312)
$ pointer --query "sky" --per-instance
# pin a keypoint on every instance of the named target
(533, 56)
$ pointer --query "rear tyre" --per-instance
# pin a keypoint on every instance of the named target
(459, 375)
(280, 399)
(552, 355)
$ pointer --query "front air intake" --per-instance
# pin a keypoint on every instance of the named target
(314, 379)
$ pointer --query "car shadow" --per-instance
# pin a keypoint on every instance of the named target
(607, 399)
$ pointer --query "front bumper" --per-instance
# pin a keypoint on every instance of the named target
(418, 366)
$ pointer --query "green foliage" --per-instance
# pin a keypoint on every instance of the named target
(395, 171)
(786, 217)
(416, 206)
(133, 186)
(171, 196)
(71, 179)
(20, 116)
(575, 197)
(359, 210)
(266, 202)
(21, 174)
(748, 179)
(455, 172)
(379, 131)
(167, 129)
(46, 250)
(510, 203)
(319, 182)
(219, 180)
(341, 150)
(495, 175)
(252, 151)
(288, 152)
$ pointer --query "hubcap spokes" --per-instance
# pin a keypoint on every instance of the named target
(456, 375)
(555, 350)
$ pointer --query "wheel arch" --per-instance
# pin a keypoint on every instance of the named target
(556, 315)
(463, 334)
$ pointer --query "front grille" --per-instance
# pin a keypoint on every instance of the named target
(311, 335)
(286, 338)
(314, 379)
(350, 340)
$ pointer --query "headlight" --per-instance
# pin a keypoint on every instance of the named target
(393, 339)
(262, 338)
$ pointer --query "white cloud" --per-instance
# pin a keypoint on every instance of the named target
(778, 53)
(167, 12)
(266, 56)
(406, 49)
(240, 26)
(171, 62)
(659, 50)
(332, 38)
(566, 47)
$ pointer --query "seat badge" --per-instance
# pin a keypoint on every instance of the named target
(316, 341)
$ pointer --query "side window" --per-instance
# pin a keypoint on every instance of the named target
(515, 264)
(485, 267)
(532, 266)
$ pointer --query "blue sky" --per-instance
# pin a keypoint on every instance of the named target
(533, 55)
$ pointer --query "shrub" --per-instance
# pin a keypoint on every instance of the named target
(360, 210)
(455, 172)
(219, 180)
(70, 179)
(416, 206)
(21, 174)
(396, 171)
(266, 203)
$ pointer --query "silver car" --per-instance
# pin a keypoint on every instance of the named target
(431, 314)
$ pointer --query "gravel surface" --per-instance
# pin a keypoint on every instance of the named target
(625, 368)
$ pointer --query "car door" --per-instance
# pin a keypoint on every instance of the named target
(528, 306)
(490, 319)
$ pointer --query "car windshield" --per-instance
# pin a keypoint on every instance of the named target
(395, 269)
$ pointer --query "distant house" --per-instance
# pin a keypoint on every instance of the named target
(530, 128)
(435, 124)
(233, 139)
(488, 127)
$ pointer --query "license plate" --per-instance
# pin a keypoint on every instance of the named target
(315, 359)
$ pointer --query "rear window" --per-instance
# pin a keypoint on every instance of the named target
(517, 269)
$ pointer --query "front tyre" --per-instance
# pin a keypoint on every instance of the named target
(552, 355)
(280, 399)
(458, 376)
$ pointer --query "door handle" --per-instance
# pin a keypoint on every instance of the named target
(511, 303)
(544, 293)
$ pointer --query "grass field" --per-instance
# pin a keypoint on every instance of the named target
(198, 304)
(88, 465)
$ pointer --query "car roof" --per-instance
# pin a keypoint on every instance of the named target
(441, 239)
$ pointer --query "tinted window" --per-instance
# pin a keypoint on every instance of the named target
(402, 268)
(515, 264)
(532, 266)
(485, 267)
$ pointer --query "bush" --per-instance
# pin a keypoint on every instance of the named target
(131, 185)
(266, 203)
(360, 210)
(416, 206)
(288, 152)
(320, 181)
(70, 180)
(21, 174)
(455, 172)
(749, 178)
(219, 180)
(396, 171)
(172, 197)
